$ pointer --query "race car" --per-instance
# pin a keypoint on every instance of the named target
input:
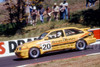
(55, 40)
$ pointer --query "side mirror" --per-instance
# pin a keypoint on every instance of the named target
(46, 38)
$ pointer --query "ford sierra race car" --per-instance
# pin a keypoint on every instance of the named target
(55, 40)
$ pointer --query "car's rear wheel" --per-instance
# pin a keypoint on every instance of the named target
(34, 53)
(81, 45)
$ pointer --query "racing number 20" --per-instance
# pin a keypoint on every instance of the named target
(46, 46)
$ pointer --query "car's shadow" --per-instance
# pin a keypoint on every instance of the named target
(21, 59)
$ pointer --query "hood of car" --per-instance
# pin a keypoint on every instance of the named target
(30, 44)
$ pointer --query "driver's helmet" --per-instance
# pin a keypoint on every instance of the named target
(59, 34)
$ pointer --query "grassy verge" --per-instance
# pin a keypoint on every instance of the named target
(33, 31)
(86, 61)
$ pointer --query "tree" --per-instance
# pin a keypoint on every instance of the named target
(16, 12)
(16, 9)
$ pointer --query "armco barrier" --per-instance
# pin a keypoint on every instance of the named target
(7, 47)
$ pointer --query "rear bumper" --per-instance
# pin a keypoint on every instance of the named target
(90, 41)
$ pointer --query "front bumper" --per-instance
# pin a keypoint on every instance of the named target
(22, 53)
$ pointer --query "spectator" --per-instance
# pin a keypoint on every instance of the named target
(34, 16)
(93, 2)
(87, 1)
(30, 7)
(48, 12)
(90, 2)
(30, 16)
(55, 9)
(41, 13)
(65, 4)
(61, 9)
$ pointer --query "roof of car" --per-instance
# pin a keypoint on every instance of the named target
(62, 28)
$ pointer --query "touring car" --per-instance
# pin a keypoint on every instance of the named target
(55, 40)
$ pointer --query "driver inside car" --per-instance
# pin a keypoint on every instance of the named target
(59, 34)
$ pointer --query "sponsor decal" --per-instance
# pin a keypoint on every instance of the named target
(7, 48)
(64, 40)
(46, 45)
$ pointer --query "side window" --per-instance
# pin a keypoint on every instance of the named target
(69, 32)
(56, 34)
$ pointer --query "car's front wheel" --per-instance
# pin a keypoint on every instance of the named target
(81, 45)
(34, 53)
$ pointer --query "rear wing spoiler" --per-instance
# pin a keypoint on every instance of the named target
(91, 30)
(85, 29)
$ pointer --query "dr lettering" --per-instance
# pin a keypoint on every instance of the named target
(13, 45)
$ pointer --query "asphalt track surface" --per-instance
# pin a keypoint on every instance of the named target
(13, 61)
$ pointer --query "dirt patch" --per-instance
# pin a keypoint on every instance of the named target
(85, 61)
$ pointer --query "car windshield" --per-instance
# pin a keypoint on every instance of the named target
(42, 36)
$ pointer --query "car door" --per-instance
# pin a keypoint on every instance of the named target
(56, 39)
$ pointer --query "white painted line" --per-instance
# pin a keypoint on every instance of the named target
(93, 54)
(21, 66)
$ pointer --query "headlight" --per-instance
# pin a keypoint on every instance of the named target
(19, 48)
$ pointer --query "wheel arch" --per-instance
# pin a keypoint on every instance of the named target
(31, 48)
(81, 40)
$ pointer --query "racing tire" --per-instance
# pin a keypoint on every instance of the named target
(34, 53)
(81, 45)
